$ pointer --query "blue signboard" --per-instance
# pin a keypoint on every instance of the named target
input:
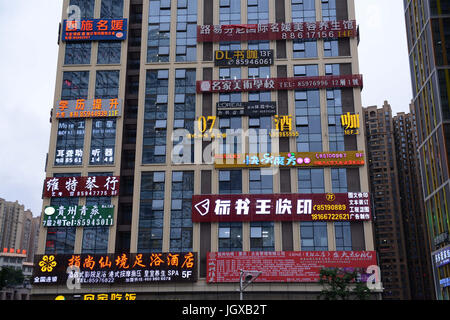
(94, 30)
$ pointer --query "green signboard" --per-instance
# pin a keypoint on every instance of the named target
(78, 216)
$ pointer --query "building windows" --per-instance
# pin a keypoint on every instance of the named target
(305, 48)
(109, 52)
(230, 236)
(257, 11)
(151, 212)
(314, 236)
(70, 142)
(339, 180)
(303, 11)
(186, 49)
(311, 181)
(86, 8)
(155, 118)
(78, 53)
(261, 236)
(75, 85)
(261, 181)
(158, 49)
(107, 84)
(343, 236)
(103, 141)
(180, 218)
(230, 182)
(331, 48)
(334, 108)
(329, 10)
(230, 12)
(111, 9)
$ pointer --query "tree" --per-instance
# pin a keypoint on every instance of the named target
(338, 285)
(10, 277)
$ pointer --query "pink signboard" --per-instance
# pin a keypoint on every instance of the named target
(351, 206)
(284, 266)
(96, 186)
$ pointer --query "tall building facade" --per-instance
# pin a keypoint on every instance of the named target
(192, 139)
(427, 26)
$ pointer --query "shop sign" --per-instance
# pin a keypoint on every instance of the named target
(350, 123)
(115, 268)
(271, 84)
(95, 186)
(78, 216)
(94, 30)
(92, 108)
(243, 58)
(248, 109)
(284, 266)
(290, 159)
(277, 31)
(352, 206)
(442, 257)
(283, 127)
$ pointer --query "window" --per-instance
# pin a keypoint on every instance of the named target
(334, 107)
(186, 49)
(103, 141)
(311, 181)
(343, 236)
(308, 121)
(78, 53)
(331, 48)
(233, 142)
(257, 11)
(86, 8)
(111, 9)
(151, 212)
(230, 236)
(75, 85)
(230, 12)
(305, 48)
(109, 52)
(180, 217)
(230, 182)
(107, 85)
(329, 10)
(70, 142)
(159, 31)
(303, 11)
(261, 181)
(261, 236)
(156, 97)
(339, 180)
(314, 236)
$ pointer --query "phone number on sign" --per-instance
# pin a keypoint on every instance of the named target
(331, 216)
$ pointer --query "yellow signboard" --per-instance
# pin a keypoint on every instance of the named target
(351, 124)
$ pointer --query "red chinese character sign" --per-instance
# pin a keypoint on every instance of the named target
(94, 30)
(270, 84)
(352, 206)
(284, 266)
(96, 186)
(277, 31)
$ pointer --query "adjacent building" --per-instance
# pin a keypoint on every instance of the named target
(192, 139)
(427, 26)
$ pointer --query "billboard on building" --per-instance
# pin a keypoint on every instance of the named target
(94, 30)
(94, 186)
(78, 216)
(89, 108)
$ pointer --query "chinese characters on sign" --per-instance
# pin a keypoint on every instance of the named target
(116, 268)
(290, 159)
(250, 109)
(254, 58)
(350, 123)
(110, 296)
(70, 154)
(352, 206)
(283, 127)
(284, 266)
(97, 186)
(277, 31)
(94, 29)
(270, 84)
(94, 108)
(79, 216)
(442, 256)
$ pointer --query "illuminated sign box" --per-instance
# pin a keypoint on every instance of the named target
(270, 84)
(290, 159)
(94, 30)
(241, 58)
(78, 216)
(116, 268)
(352, 206)
(93, 108)
(95, 186)
(249, 109)
(277, 31)
(284, 266)
(350, 123)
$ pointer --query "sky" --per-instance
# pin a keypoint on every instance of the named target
(28, 62)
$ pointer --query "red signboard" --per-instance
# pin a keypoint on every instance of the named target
(270, 84)
(352, 206)
(277, 31)
(284, 266)
(97, 186)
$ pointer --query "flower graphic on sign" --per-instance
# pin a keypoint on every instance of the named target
(47, 263)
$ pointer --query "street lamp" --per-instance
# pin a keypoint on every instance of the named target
(245, 279)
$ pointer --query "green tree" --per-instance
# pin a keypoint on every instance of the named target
(339, 285)
(10, 277)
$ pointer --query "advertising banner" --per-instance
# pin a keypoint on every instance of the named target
(249, 109)
(94, 30)
(78, 216)
(351, 206)
(243, 58)
(270, 84)
(277, 31)
(96, 186)
(290, 159)
(115, 268)
(284, 266)
(93, 108)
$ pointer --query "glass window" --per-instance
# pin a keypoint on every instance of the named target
(230, 181)
(86, 8)
(78, 53)
(257, 11)
(109, 52)
(75, 85)
(311, 181)
(343, 236)
(111, 9)
(305, 48)
(158, 47)
(261, 181)
(107, 84)
(331, 48)
(314, 236)
(261, 236)
(103, 141)
(230, 236)
(329, 10)
(303, 11)
(230, 12)
(70, 142)
(186, 49)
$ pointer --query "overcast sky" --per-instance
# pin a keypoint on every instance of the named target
(28, 61)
